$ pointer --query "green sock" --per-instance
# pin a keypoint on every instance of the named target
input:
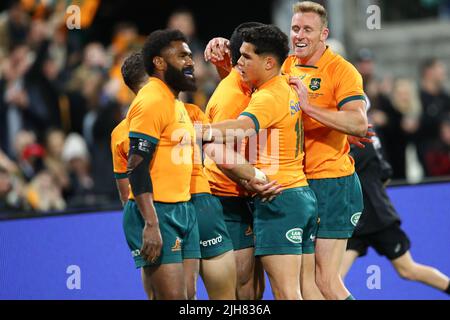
(350, 297)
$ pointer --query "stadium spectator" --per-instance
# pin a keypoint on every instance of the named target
(205, 75)
(126, 39)
(54, 144)
(10, 199)
(77, 159)
(11, 186)
(435, 102)
(84, 85)
(43, 194)
(29, 153)
(14, 24)
(398, 130)
(438, 156)
(14, 101)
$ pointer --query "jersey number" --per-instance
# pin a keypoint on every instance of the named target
(300, 137)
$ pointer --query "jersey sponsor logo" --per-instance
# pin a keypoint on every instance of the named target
(302, 76)
(294, 106)
(315, 84)
(144, 145)
(295, 235)
(136, 253)
(355, 218)
(211, 242)
(182, 115)
(181, 153)
(177, 245)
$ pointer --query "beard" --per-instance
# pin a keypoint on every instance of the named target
(177, 80)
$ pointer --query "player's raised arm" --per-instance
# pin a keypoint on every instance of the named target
(350, 119)
(217, 51)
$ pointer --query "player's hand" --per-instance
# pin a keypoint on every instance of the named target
(359, 141)
(302, 92)
(266, 190)
(217, 50)
(151, 242)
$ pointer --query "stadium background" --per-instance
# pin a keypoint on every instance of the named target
(69, 175)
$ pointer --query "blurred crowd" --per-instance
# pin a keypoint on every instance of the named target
(411, 117)
(61, 96)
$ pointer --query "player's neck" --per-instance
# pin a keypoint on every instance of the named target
(161, 77)
(315, 56)
(140, 86)
(267, 77)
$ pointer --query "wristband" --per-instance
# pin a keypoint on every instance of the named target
(260, 175)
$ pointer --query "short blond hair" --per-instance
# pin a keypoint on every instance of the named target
(309, 6)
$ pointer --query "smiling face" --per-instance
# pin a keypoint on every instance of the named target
(179, 72)
(308, 35)
(250, 65)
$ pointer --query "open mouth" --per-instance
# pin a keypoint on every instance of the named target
(189, 73)
(301, 45)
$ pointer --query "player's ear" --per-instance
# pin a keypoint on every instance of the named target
(159, 63)
(270, 63)
(324, 34)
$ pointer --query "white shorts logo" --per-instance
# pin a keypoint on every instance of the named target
(136, 253)
(211, 242)
(295, 235)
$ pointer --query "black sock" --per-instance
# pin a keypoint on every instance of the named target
(447, 291)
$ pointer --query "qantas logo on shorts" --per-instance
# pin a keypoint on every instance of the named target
(249, 231)
(295, 235)
(177, 245)
(355, 218)
(136, 253)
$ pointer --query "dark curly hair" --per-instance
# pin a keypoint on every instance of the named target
(268, 39)
(236, 39)
(133, 71)
(155, 43)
